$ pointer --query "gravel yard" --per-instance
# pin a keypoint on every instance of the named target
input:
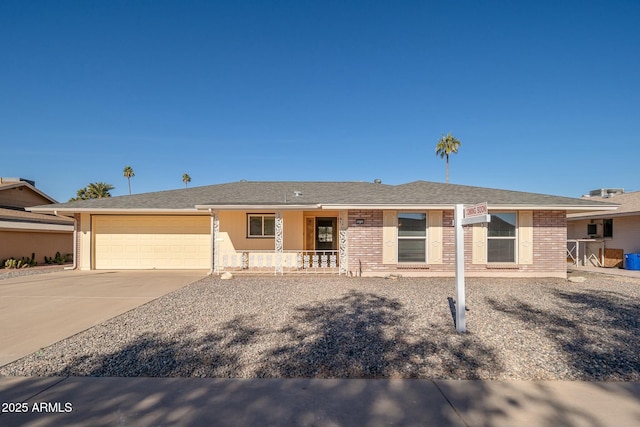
(337, 327)
(9, 273)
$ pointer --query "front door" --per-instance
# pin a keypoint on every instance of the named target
(326, 234)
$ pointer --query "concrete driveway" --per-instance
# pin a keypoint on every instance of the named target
(37, 311)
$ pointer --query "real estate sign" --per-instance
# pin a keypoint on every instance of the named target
(474, 214)
(476, 210)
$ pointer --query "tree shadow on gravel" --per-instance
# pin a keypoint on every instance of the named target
(364, 335)
(599, 331)
(159, 355)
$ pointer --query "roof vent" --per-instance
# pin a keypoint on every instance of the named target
(243, 180)
(377, 181)
(297, 193)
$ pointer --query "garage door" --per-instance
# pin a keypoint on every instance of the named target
(146, 242)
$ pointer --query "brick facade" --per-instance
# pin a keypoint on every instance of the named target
(549, 248)
(364, 242)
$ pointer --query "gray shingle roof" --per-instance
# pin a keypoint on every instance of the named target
(251, 193)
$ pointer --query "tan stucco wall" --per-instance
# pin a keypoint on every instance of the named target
(626, 232)
(233, 229)
(18, 244)
(21, 197)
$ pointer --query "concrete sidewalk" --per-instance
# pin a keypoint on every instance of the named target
(86, 401)
(633, 274)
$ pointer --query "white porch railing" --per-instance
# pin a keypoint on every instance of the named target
(581, 252)
(291, 261)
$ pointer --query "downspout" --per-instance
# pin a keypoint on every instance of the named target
(75, 240)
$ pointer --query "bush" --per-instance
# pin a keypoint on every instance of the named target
(59, 259)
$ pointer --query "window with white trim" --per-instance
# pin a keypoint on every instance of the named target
(501, 237)
(412, 237)
(261, 225)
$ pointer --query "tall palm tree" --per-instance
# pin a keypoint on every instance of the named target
(99, 190)
(186, 179)
(446, 146)
(128, 173)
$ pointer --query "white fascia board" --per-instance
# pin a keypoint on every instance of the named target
(599, 215)
(34, 226)
(490, 207)
(255, 207)
(388, 207)
(71, 211)
(551, 208)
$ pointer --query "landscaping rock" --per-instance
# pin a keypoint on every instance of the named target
(312, 326)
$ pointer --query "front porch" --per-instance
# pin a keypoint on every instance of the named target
(290, 261)
(292, 241)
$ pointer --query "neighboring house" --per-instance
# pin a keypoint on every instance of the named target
(355, 228)
(25, 233)
(617, 230)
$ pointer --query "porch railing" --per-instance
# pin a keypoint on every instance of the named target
(580, 252)
(301, 261)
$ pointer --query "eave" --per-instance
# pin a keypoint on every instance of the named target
(258, 207)
(494, 207)
(34, 226)
(107, 211)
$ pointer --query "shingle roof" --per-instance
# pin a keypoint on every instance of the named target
(629, 205)
(326, 194)
(22, 216)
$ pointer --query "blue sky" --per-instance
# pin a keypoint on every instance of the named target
(544, 96)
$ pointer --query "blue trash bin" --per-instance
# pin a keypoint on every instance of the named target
(632, 261)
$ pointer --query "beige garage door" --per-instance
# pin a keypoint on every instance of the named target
(146, 242)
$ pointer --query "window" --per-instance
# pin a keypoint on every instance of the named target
(412, 237)
(607, 228)
(261, 225)
(325, 234)
(501, 238)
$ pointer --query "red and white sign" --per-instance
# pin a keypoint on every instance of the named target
(476, 210)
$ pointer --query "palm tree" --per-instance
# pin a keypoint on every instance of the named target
(95, 190)
(81, 194)
(186, 179)
(99, 190)
(446, 146)
(128, 173)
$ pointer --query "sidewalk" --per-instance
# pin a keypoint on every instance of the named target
(87, 401)
(635, 274)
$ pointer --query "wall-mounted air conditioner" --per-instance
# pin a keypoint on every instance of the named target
(594, 230)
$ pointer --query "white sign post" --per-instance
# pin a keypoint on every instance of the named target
(465, 216)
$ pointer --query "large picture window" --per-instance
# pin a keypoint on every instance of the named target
(261, 225)
(501, 237)
(412, 237)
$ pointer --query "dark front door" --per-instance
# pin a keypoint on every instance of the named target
(326, 234)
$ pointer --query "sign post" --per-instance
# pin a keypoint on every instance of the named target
(464, 216)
